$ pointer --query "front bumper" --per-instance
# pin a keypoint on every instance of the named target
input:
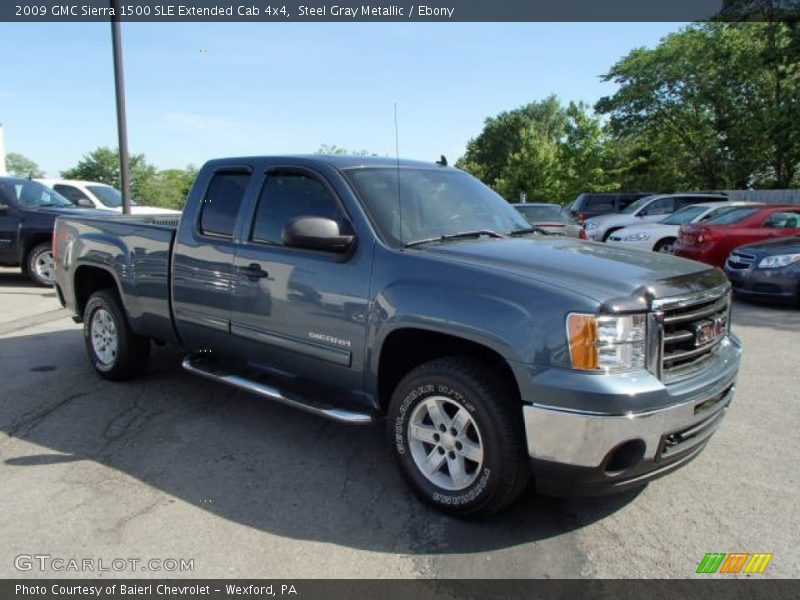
(781, 284)
(579, 451)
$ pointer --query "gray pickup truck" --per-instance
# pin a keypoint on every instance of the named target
(362, 289)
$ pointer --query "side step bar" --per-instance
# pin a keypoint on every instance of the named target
(204, 368)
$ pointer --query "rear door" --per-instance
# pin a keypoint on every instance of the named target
(300, 311)
(202, 264)
(9, 223)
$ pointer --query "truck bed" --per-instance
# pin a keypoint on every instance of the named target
(135, 251)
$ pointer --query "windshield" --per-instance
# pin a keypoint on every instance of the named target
(685, 215)
(31, 194)
(409, 205)
(543, 213)
(732, 216)
(109, 196)
(632, 208)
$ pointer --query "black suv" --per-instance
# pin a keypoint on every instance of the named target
(591, 205)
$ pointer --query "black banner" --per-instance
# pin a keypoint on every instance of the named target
(430, 10)
(326, 589)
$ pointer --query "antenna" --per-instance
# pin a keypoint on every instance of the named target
(397, 156)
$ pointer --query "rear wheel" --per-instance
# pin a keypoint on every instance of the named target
(456, 430)
(665, 246)
(40, 266)
(115, 351)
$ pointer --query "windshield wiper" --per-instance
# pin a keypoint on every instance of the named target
(533, 229)
(456, 236)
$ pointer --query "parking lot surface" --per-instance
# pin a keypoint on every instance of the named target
(174, 467)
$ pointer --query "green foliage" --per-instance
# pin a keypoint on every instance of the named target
(22, 166)
(545, 150)
(713, 106)
(149, 186)
(333, 149)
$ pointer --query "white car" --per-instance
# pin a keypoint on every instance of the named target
(92, 194)
(661, 236)
(649, 209)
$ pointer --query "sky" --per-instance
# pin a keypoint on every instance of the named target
(197, 91)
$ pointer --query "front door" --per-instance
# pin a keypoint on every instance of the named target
(9, 224)
(300, 311)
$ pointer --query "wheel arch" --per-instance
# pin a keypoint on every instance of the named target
(405, 348)
(89, 279)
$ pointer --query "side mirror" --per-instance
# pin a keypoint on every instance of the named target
(85, 203)
(316, 233)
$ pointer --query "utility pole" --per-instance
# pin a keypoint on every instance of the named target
(122, 128)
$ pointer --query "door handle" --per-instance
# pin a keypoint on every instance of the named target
(253, 271)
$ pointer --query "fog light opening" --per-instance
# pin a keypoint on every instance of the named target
(624, 457)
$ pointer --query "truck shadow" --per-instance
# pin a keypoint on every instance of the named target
(243, 459)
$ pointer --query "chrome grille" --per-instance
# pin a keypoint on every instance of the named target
(740, 261)
(691, 330)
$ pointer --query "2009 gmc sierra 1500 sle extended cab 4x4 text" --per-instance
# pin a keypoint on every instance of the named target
(364, 288)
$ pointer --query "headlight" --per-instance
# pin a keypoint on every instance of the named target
(592, 225)
(636, 237)
(779, 260)
(607, 343)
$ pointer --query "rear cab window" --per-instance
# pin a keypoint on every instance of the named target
(221, 203)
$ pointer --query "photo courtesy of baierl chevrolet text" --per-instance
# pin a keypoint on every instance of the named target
(459, 300)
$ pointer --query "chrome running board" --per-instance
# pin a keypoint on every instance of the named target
(204, 367)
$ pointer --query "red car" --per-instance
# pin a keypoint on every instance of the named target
(711, 241)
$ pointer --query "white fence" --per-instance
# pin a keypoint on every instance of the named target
(766, 196)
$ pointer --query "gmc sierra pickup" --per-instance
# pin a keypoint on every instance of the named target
(364, 288)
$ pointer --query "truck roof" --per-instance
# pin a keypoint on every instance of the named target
(339, 161)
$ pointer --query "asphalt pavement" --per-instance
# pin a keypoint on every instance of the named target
(172, 467)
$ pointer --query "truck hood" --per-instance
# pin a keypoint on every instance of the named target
(616, 277)
(607, 221)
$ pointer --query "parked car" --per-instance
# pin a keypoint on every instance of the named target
(711, 242)
(661, 235)
(28, 211)
(552, 218)
(769, 269)
(93, 194)
(359, 291)
(589, 205)
(645, 210)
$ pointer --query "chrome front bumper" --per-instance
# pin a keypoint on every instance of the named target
(588, 441)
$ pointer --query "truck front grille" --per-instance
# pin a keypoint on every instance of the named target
(691, 332)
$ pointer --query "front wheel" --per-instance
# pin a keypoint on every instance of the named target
(456, 430)
(665, 246)
(40, 265)
(116, 352)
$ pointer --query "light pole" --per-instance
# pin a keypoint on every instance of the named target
(122, 128)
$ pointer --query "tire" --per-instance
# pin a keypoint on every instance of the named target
(115, 351)
(665, 246)
(39, 265)
(489, 462)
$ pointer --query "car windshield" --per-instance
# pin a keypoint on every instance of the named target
(732, 216)
(543, 213)
(109, 196)
(31, 194)
(411, 205)
(633, 207)
(685, 215)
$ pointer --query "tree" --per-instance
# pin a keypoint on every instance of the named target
(102, 164)
(545, 150)
(716, 102)
(22, 166)
(333, 149)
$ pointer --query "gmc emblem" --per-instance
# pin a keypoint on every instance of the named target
(708, 331)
